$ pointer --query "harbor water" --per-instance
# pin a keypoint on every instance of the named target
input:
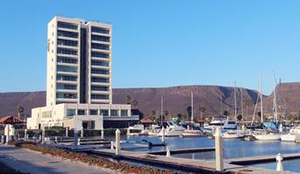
(235, 148)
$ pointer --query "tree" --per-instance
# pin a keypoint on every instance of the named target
(226, 113)
(134, 103)
(20, 111)
(179, 117)
(202, 109)
(189, 111)
(128, 99)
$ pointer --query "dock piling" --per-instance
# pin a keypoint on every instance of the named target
(279, 159)
(81, 132)
(75, 136)
(128, 133)
(78, 142)
(67, 131)
(163, 135)
(219, 150)
(118, 146)
(43, 135)
(25, 134)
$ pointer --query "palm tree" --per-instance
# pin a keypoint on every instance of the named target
(189, 111)
(20, 111)
(202, 109)
(128, 99)
(134, 103)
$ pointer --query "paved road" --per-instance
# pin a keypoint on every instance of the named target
(36, 163)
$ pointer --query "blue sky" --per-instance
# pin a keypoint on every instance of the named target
(161, 43)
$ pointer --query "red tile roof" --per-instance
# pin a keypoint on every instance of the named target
(11, 120)
(146, 121)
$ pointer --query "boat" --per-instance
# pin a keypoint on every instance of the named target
(267, 137)
(292, 135)
(154, 130)
(172, 130)
(232, 135)
(135, 130)
(224, 121)
(288, 137)
(191, 133)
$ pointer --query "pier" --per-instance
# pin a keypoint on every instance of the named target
(189, 165)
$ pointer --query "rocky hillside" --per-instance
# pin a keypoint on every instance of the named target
(214, 99)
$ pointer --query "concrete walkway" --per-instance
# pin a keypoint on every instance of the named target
(36, 163)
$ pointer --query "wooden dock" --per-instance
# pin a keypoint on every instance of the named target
(182, 151)
(261, 159)
(188, 165)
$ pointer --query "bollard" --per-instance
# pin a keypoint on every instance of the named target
(25, 134)
(219, 150)
(81, 135)
(55, 139)
(78, 142)
(43, 135)
(168, 154)
(279, 159)
(67, 131)
(117, 144)
(102, 133)
(112, 145)
(75, 137)
(6, 133)
(163, 135)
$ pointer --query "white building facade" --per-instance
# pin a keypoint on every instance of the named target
(79, 92)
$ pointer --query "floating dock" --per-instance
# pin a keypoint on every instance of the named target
(261, 159)
(183, 151)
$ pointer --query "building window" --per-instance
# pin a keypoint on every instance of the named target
(100, 30)
(104, 112)
(66, 78)
(124, 113)
(93, 112)
(65, 86)
(114, 112)
(100, 63)
(66, 95)
(66, 68)
(100, 88)
(66, 51)
(88, 124)
(100, 80)
(100, 55)
(67, 42)
(81, 112)
(100, 96)
(100, 71)
(100, 46)
(66, 25)
(71, 112)
(100, 38)
(66, 60)
(67, 34)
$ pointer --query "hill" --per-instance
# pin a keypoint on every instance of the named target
(215, 99)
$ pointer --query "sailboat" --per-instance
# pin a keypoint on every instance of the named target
(269, 134)
(191, 132)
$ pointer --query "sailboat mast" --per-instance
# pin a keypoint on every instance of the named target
(242, 104)
(235, 108)
(161, 109)
(192, 107)
(261, 102)
(274, 101)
